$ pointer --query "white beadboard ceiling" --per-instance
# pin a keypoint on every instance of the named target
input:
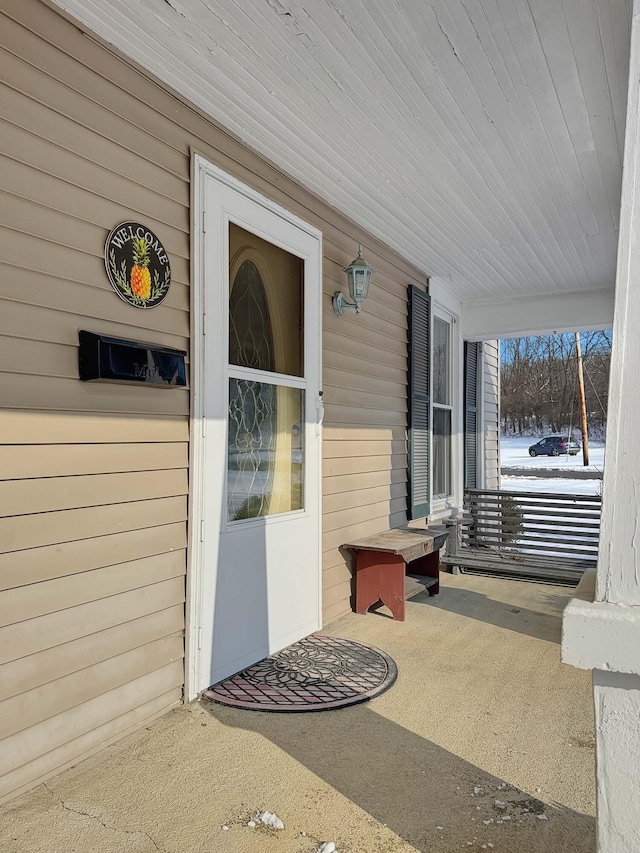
(482, 139)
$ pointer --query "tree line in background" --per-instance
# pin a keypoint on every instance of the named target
(539, 383)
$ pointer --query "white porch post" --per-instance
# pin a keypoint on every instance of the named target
(601, 629)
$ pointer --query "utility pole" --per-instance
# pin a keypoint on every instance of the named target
(583, 407)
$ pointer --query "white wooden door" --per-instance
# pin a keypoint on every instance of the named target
(260, 465)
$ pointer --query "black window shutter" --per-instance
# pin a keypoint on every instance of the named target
(472, 363)
(419, 402)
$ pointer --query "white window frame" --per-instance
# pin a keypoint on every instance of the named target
(442, 507)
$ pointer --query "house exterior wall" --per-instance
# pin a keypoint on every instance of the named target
(94, 477)
(491, 414)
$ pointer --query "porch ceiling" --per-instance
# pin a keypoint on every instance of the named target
(482, 139)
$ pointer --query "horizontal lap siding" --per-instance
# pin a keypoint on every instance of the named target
(93, 478)
(93, 482)
(491, 409)
(365, 393)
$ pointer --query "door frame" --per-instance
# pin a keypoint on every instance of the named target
(201, 168)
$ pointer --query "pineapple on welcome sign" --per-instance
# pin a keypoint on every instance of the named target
(140, 275)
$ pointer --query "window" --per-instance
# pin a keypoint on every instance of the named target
(265, 453)
(434, 422)
(442, 408)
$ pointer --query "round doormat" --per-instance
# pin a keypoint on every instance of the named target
(318, 673)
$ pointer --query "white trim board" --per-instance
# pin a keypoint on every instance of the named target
(577, 311)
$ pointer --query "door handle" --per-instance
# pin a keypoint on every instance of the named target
(320, 412)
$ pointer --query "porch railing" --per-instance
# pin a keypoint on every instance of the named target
(542, 536)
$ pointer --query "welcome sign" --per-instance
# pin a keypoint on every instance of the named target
(137, 265)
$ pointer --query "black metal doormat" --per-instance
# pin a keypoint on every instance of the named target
(318, 673)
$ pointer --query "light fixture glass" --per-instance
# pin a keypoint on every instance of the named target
(358, 277)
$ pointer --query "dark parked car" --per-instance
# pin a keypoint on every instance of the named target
(554, 445)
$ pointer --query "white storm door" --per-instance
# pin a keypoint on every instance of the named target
(260, 554)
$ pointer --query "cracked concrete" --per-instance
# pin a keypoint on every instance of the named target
(483, 712)
(69, 808)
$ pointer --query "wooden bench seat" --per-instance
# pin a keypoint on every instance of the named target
(396, 564)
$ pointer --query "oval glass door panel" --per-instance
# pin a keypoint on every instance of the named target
(250, 331)
(265, 453)
(266, 320)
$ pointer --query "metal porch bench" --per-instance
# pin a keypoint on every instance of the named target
(533, 535)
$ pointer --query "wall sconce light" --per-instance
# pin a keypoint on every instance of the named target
(358, 277)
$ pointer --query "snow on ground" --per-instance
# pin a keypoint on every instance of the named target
(555, 485)
(514, 453)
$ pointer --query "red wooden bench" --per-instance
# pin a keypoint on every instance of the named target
(395, 565)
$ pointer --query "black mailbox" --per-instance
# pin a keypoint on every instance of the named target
(106, 359)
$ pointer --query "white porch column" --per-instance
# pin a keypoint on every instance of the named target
(601, 627)
(619, 559)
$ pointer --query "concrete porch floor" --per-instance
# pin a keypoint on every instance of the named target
(482, 711)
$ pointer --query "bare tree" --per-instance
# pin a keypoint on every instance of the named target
(539, 383)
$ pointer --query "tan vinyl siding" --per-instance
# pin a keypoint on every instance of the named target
(491, 413)
(364, 452)
(94, 478)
